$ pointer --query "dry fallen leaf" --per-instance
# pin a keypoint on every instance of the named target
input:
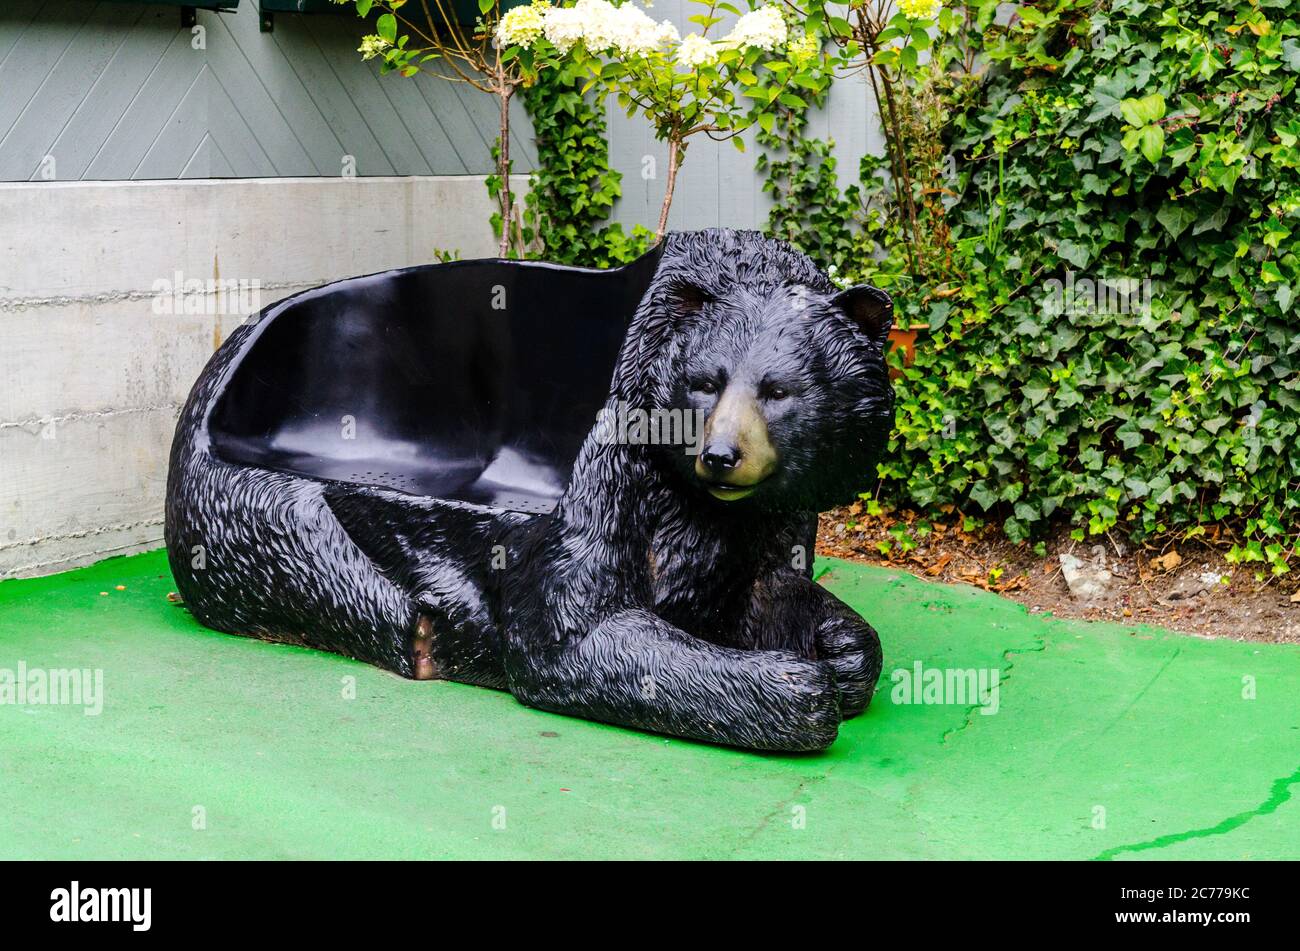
(1295, 598)
(1168, 561)
(940, 563)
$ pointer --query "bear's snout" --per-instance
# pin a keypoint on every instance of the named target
(737, 452)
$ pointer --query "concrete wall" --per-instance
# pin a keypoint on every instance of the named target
(92, 376)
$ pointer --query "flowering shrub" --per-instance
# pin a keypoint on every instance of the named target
(696, 85)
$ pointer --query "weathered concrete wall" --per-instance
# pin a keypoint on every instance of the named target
(94, 367)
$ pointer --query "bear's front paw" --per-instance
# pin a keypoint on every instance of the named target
(853, 652)
(801, 713)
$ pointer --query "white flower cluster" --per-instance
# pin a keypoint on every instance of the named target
(763, 28)
(372, 46)
(521, 26)
(597, 24)
(626, 30)
(695, 51)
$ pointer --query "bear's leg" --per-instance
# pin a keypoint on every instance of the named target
(790, 612)
(635, 669)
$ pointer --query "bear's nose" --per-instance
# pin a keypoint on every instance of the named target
(720, 459)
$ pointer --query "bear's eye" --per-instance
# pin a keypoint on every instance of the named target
(777, 392)
(705, 386)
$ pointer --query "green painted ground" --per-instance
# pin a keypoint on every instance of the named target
(1148, 726)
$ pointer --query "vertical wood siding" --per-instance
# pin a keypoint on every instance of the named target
(117, 91)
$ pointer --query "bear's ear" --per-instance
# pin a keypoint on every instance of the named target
(686, 299)
(868, 307)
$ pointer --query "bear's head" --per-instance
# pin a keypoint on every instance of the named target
(783, 375)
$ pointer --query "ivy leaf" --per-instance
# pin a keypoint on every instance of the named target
(1152, 142)
(1176, 217)
(1077, 254)
(1291, 55)
(1140, 112)
(1181, 147)
(1214, 222)
(1035, 392)
(983, 495)
(1106, 95)
(1204, 63)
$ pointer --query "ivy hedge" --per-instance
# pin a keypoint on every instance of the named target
(1112, 332)
(1123, 142)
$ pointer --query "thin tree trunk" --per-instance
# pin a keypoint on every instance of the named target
(902, 160)
(896, 174)
(675, 149)
(504, 91)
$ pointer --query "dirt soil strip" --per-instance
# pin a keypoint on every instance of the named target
(1185, 586)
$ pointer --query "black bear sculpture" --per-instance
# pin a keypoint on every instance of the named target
(404, 468)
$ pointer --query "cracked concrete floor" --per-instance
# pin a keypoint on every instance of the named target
(1109, 742)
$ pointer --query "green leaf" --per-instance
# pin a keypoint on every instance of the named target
(1152, 142)
(1141, 112)
(839, 26)
(1074, 252)
(1106, 94)
(1176, 217)
(386, 26)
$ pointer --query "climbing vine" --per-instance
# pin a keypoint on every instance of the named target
(809, 209)
(573, 190)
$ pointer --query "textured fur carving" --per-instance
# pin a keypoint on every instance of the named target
(644, 599)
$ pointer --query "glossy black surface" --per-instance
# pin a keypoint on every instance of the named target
(475, 381)
(405, 468)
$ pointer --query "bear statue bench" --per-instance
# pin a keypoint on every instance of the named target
(407, 468)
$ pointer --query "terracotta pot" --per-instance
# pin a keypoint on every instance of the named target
(904, 338)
